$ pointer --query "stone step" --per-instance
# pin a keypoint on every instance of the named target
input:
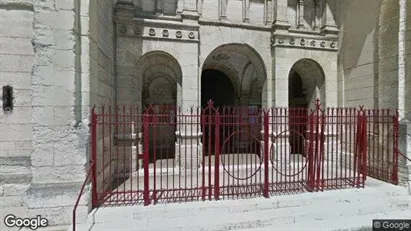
(257, 212)
(279, 217)
(349, 223)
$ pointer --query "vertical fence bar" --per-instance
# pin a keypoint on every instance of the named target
(94, 156)
(365, 149)
(395, 148)
(266, 146)
(310, 155)
(217, 156)
(146, 194)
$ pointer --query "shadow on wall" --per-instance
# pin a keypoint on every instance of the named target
(359, 44)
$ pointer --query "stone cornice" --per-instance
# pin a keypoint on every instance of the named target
(305, 42)
(234, 25)
(155, 23)
(156, 32)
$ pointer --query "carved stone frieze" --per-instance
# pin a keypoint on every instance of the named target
(135, 28)
(309, 43)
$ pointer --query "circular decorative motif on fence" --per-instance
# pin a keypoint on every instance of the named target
(151, 32)
(302, 43)
(285, 163)
(322, 44)
(292, 41)
(253, 161)
(332, 45)
(191, 35)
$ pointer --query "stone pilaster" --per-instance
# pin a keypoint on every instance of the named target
(300, 15)
(159, 6)
(246, 11)
(222, 9)
(190, 10)
(404, 165)
(280, 21)
(329, 25)
(317, 14)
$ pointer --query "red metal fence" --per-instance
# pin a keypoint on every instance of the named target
(153, 156)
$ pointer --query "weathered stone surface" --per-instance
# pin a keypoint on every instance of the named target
(15, 189)
(56, 195)
(61, 58)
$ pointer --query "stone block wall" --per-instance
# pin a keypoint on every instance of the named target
(60, 131)
(100, 72)
(357, 58)
(387, 51)
(58, 57)
(16, 59)
(407, 53)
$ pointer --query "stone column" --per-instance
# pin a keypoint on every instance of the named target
(404, 165)
(188, 144)
(317, 14)
(300, 15)
(246, 9)
(222, 9)
(401, 59)
(159, 6)
(280, 21)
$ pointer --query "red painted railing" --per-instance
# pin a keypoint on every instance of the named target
(149, 156)
(80, 194)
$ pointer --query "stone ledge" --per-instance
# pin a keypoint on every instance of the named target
(156, 23)
(234, 25)
(16, 161)
(26, 5)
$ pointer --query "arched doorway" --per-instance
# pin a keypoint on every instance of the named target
(217, 87)
(160, 79)
(305, 85)
(234, 75)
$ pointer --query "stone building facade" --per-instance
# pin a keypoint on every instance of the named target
(62, 56)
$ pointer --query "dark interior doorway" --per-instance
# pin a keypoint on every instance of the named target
(298, 114)
(215, 86)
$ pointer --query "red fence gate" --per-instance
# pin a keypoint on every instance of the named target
(216, 153)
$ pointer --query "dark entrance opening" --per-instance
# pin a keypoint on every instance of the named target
(217, 87)
(298, 114)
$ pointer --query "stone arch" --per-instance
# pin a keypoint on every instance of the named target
(162, 70)
(312, 78)
(243, 65)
